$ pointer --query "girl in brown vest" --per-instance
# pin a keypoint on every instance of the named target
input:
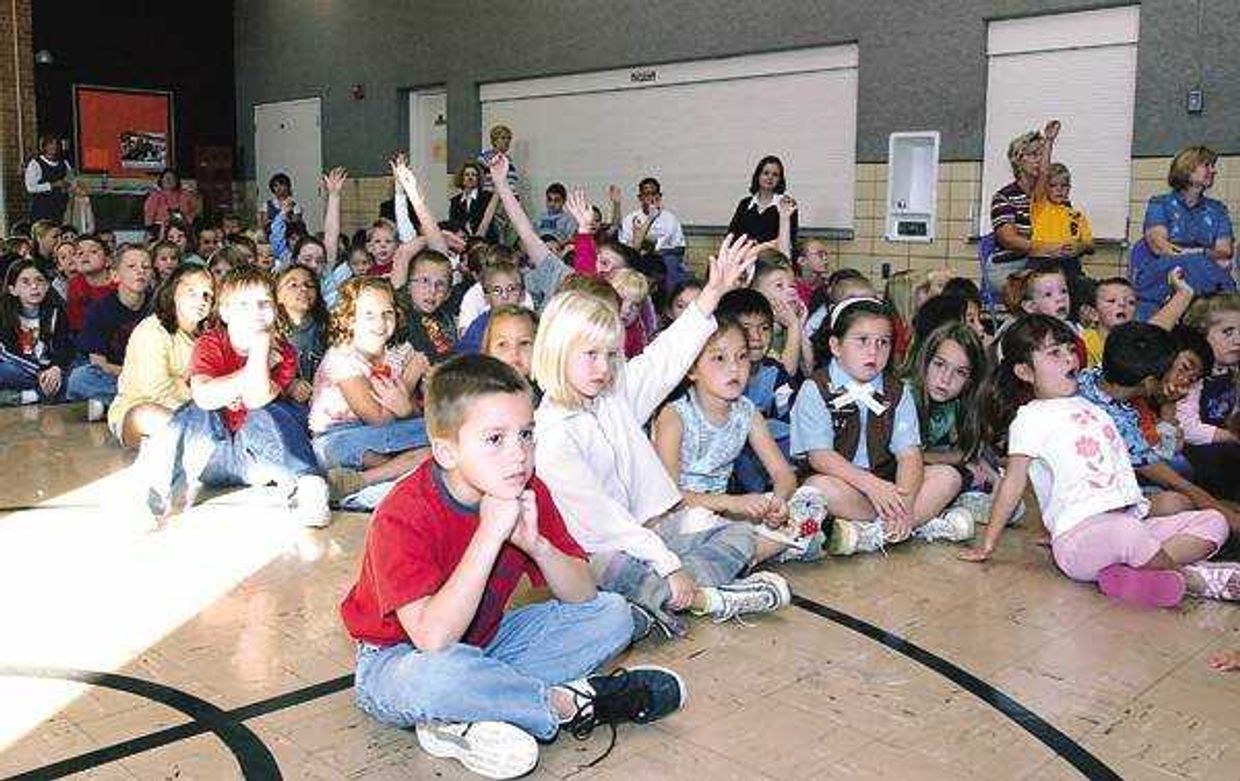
(857, 425)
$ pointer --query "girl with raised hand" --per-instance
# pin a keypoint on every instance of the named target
(1100, 523)
(605, 476)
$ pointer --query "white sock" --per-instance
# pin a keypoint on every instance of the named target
(575, 690)
(714, 602)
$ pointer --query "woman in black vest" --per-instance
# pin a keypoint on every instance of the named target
(48, 178)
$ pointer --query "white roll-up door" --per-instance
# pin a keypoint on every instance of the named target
(1079, 68)
(699, 127)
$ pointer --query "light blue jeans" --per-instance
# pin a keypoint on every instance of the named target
(88, 381)
(536, 647)
(345, 444)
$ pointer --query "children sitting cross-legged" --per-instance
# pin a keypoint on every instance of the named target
(92, 282)
(152, 383)
(237, 429)
(362, 413)
(701, 433)
(616, 496)
(1101, 525)
(444, 553)
(856, 423)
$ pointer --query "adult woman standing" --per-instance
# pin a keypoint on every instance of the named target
(1184, 228)
(472, 210)
(168, 199)
(757, 216)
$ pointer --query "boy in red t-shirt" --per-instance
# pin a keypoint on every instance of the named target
(237, 429)
(444, 553)
(93, 281)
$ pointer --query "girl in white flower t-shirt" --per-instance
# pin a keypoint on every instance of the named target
(1102, 528)
(364, 418)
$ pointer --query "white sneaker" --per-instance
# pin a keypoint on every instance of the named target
(309, 502)
(761, 592)
(980, 502)
(849, 537)
(95, 410)
(489, 748)
(954, 525)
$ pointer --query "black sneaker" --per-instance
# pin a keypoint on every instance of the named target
(639, 694)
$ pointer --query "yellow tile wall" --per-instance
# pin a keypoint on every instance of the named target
(959, 183)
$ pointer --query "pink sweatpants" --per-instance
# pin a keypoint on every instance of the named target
(1118, 538)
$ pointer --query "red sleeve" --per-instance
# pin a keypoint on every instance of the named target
(285, 371)
(552, 527)
(207, 357)
(403, 564)
(585, 254)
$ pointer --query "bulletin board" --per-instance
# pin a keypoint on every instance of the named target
(123, 132)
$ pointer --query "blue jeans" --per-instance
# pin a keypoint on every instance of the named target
(196, 448)
(536, 647)
(87, 381)
(15, 376)
(713, 556)
(345, 444)
(673, 268)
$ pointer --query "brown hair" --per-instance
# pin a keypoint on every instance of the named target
(1180, 173)
(340, 331)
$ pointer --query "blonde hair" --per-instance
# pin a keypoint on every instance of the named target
(571, 319)
(1019, 146)
(507, 312)
(340, 329)
(630, 284)
(1182, 166)
(901, 293)
(1204, 312)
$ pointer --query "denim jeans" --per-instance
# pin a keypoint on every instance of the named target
(16, 377)
(536, 647)
(345, 444)
(711, 549)
(196, 448)
(87, 381)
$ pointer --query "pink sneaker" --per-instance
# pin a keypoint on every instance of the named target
(1148, 587)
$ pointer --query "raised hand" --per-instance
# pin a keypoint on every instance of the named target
(1051, 131)
(578, 206)
(498, 165)
(728, 270)
(333, 180)
(613, 193)
(786, 205)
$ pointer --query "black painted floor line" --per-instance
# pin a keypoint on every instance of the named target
(1067, 748)
(257, 762)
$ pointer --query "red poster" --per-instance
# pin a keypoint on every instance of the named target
(123, 132)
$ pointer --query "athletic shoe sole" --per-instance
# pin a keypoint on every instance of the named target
(489, 748)
(1151, 588)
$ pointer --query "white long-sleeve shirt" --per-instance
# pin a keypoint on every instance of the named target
(603, 472)
(34, 176)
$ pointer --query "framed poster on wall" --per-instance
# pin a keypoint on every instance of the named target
(123, 132)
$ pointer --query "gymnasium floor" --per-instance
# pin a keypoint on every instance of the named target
(213, 650)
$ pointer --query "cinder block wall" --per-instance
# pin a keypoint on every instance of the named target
(954, 247)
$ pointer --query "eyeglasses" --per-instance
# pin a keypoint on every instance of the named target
(506, 290)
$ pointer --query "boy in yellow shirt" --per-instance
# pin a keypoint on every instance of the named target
(1060, 231)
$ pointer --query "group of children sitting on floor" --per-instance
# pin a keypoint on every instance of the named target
(773, 412)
